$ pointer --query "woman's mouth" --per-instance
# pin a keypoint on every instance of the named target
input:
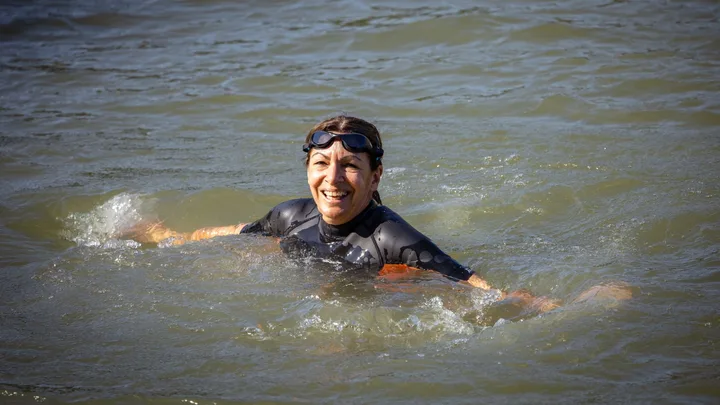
(335, 195)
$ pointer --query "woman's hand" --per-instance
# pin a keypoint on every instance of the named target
(530, 303)
(151, 232)
(609, 294)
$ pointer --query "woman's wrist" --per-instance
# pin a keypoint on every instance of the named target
(476, 281)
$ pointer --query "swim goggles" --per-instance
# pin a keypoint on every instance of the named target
(352, 142)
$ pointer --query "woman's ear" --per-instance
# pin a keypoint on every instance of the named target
(377, 175)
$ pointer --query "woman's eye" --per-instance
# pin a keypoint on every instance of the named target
(320, 163)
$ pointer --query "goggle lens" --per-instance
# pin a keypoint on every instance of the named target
(352, 142)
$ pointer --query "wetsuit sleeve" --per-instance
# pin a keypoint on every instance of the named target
(401, 243)
(261, 226)
(281, 219)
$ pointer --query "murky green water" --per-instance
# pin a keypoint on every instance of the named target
(547, 145)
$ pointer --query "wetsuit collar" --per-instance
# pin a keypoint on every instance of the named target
(333, 232)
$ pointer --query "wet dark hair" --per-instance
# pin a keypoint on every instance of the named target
(344, 123)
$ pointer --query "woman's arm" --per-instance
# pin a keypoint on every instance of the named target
(395, 270)
(213, 231)
(521, 298)
(157, 232)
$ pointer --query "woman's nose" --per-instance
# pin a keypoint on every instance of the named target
(335, 174)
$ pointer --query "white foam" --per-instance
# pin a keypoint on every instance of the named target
(102, 225)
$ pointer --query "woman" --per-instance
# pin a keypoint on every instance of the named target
(345, 217)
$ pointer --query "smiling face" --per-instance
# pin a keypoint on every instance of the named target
(341, 182)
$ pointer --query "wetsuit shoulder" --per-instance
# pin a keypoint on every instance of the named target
(284, 217)
(400, 243)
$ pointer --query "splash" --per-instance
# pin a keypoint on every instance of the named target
(102, 225)
(440, 318)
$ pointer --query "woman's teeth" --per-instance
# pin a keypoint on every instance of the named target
(335, 194)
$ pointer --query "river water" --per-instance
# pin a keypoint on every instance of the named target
(551, 146)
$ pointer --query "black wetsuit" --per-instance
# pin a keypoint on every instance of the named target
(377, 236)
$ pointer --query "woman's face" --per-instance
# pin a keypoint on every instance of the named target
(341, 182)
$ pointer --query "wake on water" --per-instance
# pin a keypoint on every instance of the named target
(408, 309)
